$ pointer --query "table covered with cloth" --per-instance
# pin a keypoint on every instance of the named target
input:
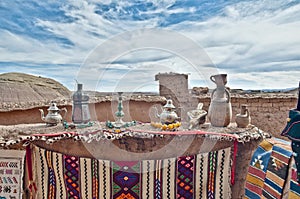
(139, 164)
(204, 175)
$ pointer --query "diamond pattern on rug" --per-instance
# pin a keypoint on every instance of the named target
(126, 179)
(168, 178)
(71, 174)
(185, 177)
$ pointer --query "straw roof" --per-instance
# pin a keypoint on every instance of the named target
(19, 91)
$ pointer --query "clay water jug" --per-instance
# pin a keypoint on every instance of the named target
(243, 119)
(220, 111)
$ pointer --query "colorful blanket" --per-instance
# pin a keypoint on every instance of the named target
(199, 176)
(11, 173)
(294, 190)
(257, 170)
(269, 170)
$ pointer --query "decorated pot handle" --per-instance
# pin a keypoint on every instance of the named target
(212, 94)
(227, 95)
(247, 113)
(211, 78)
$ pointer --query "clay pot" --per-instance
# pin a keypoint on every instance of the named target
(219, 79)
(220, 112)
(243, 119)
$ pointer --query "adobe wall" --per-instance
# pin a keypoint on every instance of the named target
(101, 111)
(269, 113)
(175, 86)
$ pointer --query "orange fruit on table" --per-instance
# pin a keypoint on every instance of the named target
(164, 127)
(170, 126)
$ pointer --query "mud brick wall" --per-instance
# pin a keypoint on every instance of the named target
(269, 113)
(175, 86)
(100, 111)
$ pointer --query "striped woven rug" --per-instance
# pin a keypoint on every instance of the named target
(257, 170)
(198, 176)
(294, 190)
(269, 170)
(277, 171)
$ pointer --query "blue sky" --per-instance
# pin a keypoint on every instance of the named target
(256, 42)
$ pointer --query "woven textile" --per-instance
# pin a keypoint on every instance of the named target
(11, 172)
(294, 190)
(198, 176)
(277, 171)
(269, 170)
(296, 150)
(257, 170)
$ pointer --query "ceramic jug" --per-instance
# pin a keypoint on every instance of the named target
(243, 119)
(220, 111)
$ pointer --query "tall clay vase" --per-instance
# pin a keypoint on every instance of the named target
(220, 112)
(243, 119)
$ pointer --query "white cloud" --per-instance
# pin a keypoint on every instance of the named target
(247, 39)
(17, 48)
(139, 55)
(249, 36)
(264, 80)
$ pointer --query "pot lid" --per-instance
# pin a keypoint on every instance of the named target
(169, 104)
(53, 107)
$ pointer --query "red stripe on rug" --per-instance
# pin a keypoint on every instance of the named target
(280, 157)
(271, 191)
(253, 188)
(256, 172)
(294, 175)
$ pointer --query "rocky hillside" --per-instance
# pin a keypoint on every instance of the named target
(23, 91)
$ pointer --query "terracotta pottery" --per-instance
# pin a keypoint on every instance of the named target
(220, 111)
(219, 79)
(243, 119)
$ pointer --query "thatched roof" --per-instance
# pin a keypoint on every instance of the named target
(19, 91)
(23, 91)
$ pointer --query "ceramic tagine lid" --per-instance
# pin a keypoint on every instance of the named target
(169, 104)
(53, 107)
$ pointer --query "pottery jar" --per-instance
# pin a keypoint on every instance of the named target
(243, 119)
(220, 111)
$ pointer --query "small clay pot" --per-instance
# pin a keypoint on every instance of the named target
(243, 119)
